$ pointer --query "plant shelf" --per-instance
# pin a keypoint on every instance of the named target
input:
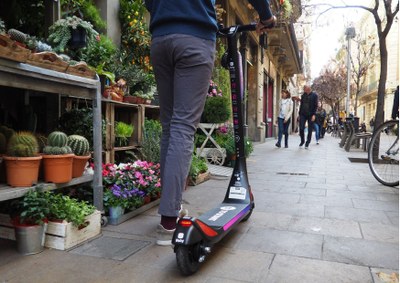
(7, 192)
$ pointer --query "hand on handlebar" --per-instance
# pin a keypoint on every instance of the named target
(262, 26)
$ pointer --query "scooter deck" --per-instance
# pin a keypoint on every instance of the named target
(224, 215)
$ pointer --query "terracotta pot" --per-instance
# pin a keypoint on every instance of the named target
(78, 165)
(22, 171)
(131, 99)
(58, 168)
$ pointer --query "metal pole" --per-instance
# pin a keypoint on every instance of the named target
(350, 33)
(348, 77)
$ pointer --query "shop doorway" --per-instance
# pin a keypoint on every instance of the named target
(268, 109)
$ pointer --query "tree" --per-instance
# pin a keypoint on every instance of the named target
(383, 24)
(360, 64)
(331, 87)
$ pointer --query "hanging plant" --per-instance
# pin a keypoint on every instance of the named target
(61, 32)
(286, 9)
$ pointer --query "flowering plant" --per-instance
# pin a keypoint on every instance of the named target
(124, 196)
(127, 184)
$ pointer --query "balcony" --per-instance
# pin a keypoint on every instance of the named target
(283, 47)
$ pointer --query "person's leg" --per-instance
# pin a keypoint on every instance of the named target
(280, 132)
(310, 128)
(302, 127)
(193, 60)
(286, 133)
(316, 128)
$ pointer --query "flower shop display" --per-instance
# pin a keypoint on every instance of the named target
(22, 160)
(57, 158)
(129, 186)
(80, 147)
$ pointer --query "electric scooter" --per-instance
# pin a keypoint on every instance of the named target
(194, 237)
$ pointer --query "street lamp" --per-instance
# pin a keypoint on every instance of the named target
(350, 34)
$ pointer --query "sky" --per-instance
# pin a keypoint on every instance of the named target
(327, 30)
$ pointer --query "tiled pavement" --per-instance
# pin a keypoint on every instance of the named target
(318, 218)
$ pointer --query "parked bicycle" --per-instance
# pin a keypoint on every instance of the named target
(383, 150)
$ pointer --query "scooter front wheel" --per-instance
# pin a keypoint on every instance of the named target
(187, 258)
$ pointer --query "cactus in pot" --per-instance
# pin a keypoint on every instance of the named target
(80, 147)
(57, 158)
(3, 143)
(17, 35)
(22, 160)
(23, 144)
(57, 144)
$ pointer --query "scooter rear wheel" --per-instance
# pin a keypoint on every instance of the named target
(247, 216)
(187, 258)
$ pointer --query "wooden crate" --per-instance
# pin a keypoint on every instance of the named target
(48, 60)
(133, 213)
(63, 236)
(200, 179)
(10, 49)
(82, 70)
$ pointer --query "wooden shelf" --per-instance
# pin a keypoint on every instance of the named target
(26, 76)
(7, 192)
(122, 148)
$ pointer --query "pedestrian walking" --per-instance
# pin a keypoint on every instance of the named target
(182, 54)
(320, 116)
(308, 107)
(285, 114)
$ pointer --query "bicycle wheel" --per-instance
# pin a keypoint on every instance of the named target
(383, 153)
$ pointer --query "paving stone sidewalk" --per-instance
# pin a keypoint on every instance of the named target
(318, 218)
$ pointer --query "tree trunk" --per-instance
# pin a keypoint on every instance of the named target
(379, 114)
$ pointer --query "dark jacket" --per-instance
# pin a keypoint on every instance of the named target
(312, 104)
(192, 17)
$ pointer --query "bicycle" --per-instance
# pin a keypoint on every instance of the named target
(383, 153)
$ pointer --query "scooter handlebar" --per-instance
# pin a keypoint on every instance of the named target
(237, 28)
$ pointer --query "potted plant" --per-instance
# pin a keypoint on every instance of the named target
(150, 147)
(198, 168)
(22, 160)
(63, 207)
(123, 132)
(117, 198)
(216, 108)
(80, 147)
(72, 32)
(30, 222)
(57, 158)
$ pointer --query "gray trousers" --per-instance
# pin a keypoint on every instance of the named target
(182, 66)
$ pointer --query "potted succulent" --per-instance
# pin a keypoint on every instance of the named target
(22, 160)
(30, 222)
(80, 147)
(57, 158)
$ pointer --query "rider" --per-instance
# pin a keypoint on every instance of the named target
(182, 55)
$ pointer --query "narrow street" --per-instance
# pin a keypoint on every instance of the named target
(318, 218)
